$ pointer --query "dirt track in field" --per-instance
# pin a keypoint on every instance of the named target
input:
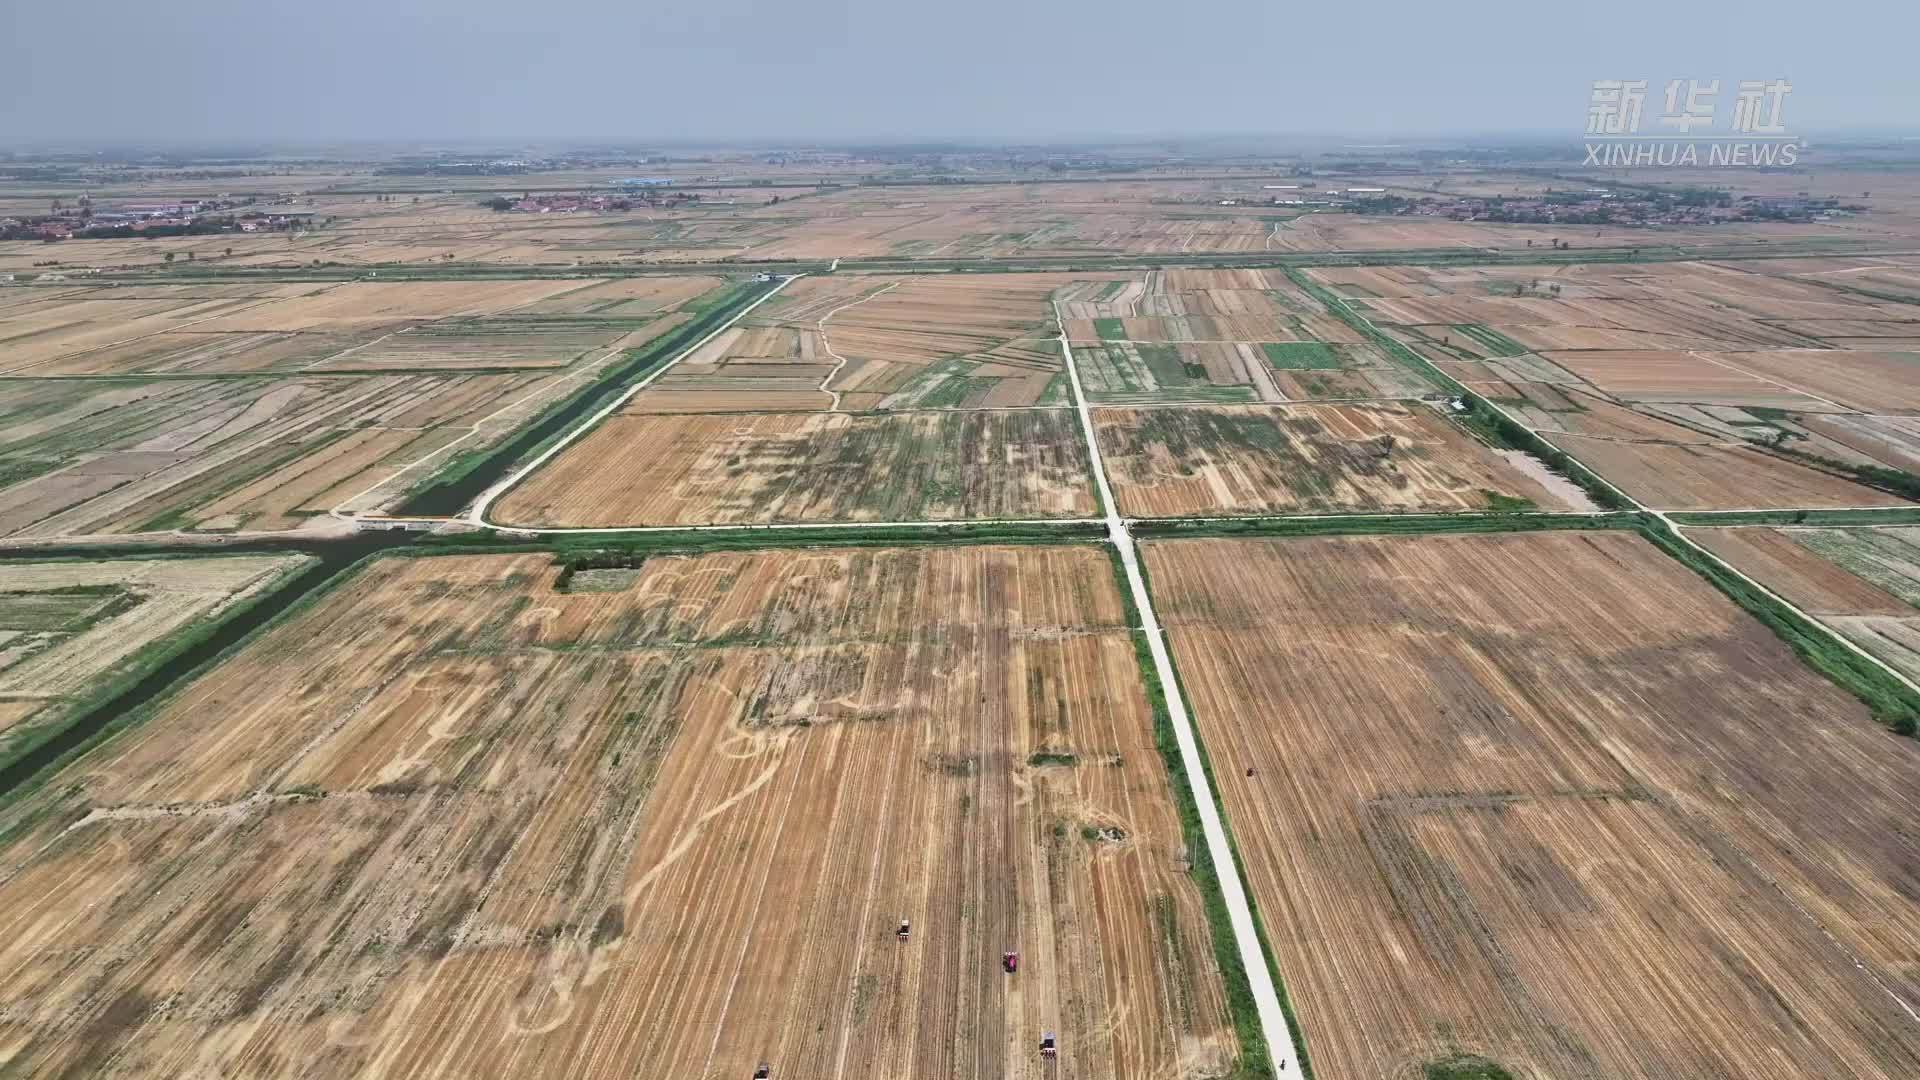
(1551, 799)
(661, 825)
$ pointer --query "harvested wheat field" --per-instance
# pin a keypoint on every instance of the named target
(1303, 458)
(1788, 562)
(99, 456)
(1862, 582)
(351, 326)
(1553, 800)
(659, 822)
(974, 341)
(784, 467)
(69, 630)
(1669, 476)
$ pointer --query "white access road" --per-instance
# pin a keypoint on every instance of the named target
(1266, 997)
(477, 514)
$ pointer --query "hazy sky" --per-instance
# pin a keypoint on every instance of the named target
(403, 69)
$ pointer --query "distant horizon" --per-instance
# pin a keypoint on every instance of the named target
(222, 71)
(932, 142)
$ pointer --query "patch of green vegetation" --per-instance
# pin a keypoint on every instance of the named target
(1047, 758)
(65, 611)
(19, 470)
(1885, 557)
(1301, 355)
(1496, 343)
(956, 390)
(1058, 392)
(1506, 504)
(1168, 368)
(1890, 701)
(1110, 329)
(1464, 1067)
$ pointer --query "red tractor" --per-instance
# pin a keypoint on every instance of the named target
(1010, 962)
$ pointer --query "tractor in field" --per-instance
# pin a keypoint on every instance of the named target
(764, 1072)
(1010, 962)
(906, 930)
(1048, 1049)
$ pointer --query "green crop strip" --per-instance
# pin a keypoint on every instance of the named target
(1301, 355)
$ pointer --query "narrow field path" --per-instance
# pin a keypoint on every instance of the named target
(1266, 997)
(827, 344)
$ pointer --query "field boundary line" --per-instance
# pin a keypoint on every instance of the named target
(478, 514)
(1266, 998)
(1698, 355)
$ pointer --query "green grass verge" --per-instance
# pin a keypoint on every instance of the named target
(694, 540)
(1255, 1060)
(1383, 525)
(1892, 515)
(1892, 481)
(1891, 702)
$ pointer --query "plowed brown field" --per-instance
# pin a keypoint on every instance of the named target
(1667, 476)
(1553, 800)
(492, 829)
(783, 467)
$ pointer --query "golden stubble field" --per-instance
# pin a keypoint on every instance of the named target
(663, 823)
(1254, 459)
(640, 469)
(1552, 800)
